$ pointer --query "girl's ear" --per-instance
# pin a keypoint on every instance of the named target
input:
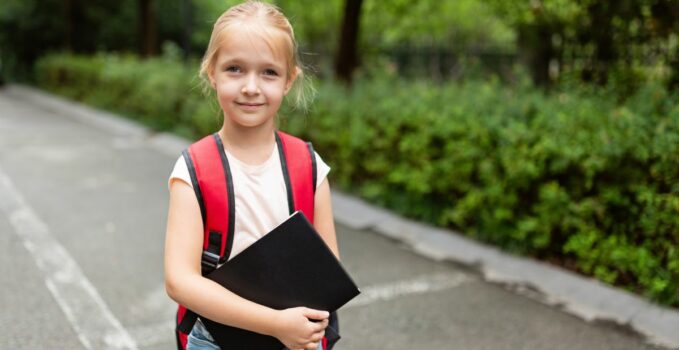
(291, 80)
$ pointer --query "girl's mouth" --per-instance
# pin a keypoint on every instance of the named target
(249, 106)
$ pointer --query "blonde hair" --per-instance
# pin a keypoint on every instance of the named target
(270, 25)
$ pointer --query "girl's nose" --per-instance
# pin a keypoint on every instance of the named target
(250, 87)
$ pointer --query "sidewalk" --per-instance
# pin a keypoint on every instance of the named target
(582, 297)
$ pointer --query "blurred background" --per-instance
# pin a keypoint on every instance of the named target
(549, 128)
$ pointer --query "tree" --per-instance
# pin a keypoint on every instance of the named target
(147, 28)
(537, 23)
(593, 38)
(347, 57)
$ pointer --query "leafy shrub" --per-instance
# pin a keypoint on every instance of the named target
(161, 92)
(573, 177)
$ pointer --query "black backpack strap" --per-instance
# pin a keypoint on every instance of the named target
(314, 175)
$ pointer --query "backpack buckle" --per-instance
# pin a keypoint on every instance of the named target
(211, 258)
(209, 262)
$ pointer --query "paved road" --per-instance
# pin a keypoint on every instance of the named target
(82, 217)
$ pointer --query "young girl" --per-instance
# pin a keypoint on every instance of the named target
(251, 63)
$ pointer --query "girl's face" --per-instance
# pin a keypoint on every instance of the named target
(250, 80)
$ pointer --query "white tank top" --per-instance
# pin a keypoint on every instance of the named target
(259, 192)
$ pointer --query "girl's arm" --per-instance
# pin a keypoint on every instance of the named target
(323, 218)
(185, 285)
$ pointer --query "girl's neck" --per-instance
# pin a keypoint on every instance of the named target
(251, 146)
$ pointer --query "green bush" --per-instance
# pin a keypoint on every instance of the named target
(573, 177)
(161, 92)
(73, 76)
(578, 177)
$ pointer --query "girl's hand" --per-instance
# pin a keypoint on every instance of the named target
(294, 328)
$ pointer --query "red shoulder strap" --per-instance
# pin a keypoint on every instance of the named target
(299, 169)
(211, 177)
(213, 185)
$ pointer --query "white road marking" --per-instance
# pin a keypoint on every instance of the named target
(420, 285)
(90, 317)
(157, 333)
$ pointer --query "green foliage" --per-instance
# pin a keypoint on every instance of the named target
(22, 22)
(532, 12)
(461, 23)
(31, 28)
(577, 176)
(574, 176)
(316, 23)
(385, 25)
(626, 41)
(158, 92)
(206, 13)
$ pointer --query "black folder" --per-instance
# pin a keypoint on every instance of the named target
(290, 266)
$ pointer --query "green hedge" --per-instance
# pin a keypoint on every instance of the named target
(160, 93)
(575, 177)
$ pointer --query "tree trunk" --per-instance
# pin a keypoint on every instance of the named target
(147, 28)
(605, 53)
(673, 82)
(68, 30)
(536, 51)
(347, 58)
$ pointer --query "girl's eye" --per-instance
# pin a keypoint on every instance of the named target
(270, 72)
(233, 69)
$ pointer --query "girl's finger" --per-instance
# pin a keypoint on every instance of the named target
(319, 326)
(315, 314)
(317, 336)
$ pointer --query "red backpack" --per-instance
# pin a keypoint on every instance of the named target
(213, 185)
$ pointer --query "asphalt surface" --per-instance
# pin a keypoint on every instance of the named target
(102, 197)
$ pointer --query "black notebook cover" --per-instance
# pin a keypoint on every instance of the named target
(290, 266)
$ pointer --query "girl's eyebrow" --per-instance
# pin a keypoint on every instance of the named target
(238, 60)
(230, 60)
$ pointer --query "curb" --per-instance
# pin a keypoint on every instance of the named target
(580, 296)
(583, 297)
